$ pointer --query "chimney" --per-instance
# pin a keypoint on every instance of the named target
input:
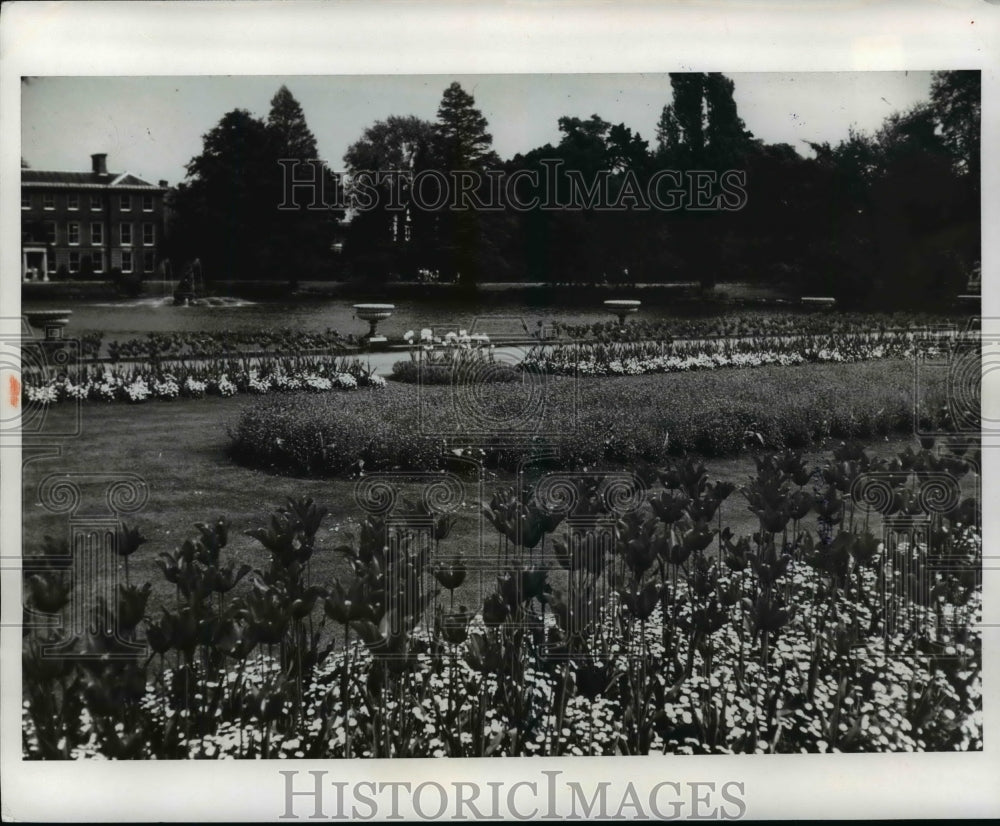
(99, 163)
(163, 184)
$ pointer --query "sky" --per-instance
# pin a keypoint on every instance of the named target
(152, 126)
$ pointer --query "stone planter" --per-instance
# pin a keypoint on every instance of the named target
(373, 314)
(622, 307)
(51, 321)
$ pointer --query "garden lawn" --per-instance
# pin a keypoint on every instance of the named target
(181, 449)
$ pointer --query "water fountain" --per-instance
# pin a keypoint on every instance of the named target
(373, 314)
(622, 307)
(166, 277)
(188, 286)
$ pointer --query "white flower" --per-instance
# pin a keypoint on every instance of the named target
(194, 388)
(137, 391)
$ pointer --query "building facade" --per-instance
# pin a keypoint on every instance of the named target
(87, 224)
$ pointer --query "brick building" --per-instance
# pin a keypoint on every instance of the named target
(85, 224)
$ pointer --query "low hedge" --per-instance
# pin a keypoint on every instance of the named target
(589, 422)
(409, 372)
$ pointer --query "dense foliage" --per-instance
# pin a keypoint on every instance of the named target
(226, 213)
(890, 219)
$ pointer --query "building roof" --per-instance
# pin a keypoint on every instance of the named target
(89, 180)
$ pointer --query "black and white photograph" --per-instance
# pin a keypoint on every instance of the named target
(603, 410)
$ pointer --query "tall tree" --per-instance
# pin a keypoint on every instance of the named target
(683, 121)
(701, 130)
(301, 238)
(460, 133)
(226, 211)
(381, 240)
(956, 101)
(287, 123)
(462, 237)
(727, 137)
(225, 206)
(667, 134)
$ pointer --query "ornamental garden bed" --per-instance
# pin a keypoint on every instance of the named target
(656, 630)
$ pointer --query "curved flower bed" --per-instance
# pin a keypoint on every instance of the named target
(639, 358)
(756, 325)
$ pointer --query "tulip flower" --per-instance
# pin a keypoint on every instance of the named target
(132, 605)
(50, 593)
(451, 576)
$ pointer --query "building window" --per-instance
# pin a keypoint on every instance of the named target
(148, 261)
(72, 201)
(74, 233)
(95, 201)
(74, 262)
(50, 263)
(125, 203)
(126, 235)
(25, 200)
(50, 232)
(126, 261)
(97, 233)
(48, 200)
(147, 203)
(97, 261)
(148, 235)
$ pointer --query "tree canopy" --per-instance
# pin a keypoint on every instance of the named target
(882, 218)
(227, 211)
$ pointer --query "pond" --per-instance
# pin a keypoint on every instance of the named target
(496, 315)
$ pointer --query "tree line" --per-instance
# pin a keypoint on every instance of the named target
(888, 218)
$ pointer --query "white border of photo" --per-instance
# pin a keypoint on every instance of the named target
(202, 38)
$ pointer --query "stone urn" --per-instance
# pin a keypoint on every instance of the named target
(51, 321)
(622, 307)
(373, 314)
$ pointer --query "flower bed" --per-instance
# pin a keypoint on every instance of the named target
(453, 359)
(221, 344)
(758, 325)
(649, 629)
(225, 377)
(590, 421)
(641, 358)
